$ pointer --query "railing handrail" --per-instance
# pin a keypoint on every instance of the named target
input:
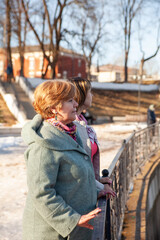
(144, 129)
(133, 153)
(115, 159)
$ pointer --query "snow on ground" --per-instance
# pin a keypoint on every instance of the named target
(13, 187)
(125, 86)
(108, 86)
(35, 81)
(13, 173)
(111, 137)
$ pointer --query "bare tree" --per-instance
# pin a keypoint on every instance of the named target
(129, 10)
(55, 30)
(8, 38)
(90, 30)
(145, 59)
(2, 24)
(89, 42)
(43, 36)
(19, 28)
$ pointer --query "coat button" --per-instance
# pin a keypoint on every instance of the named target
(86, 157)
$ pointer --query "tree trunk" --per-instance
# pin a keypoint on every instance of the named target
(53, 70)
(54, 63)
(43, 32)
(53, 73)
(141, 68)
(44, 74)
(89, 72)
(126, 67)
(22, 65)
(8, 33)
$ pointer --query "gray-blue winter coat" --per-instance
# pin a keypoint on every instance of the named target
(61, 184)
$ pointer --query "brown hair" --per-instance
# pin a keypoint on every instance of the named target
(51, 94)
(82, 86)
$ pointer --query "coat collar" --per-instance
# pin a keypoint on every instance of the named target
(46, 135)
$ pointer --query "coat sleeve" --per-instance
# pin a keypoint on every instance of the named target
(42, 170)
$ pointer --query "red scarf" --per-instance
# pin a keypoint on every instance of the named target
(70, 128)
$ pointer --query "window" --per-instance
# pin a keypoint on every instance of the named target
(79, 62)
(1, 67)
(51, 58)
(118, 76)
(79, 74)
(31, 63)
(58, 75)
(40, 63)
(65, 74)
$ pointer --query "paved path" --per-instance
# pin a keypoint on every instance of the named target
(13, 187)
(134, 221)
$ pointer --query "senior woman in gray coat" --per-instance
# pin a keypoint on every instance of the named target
(62, 193)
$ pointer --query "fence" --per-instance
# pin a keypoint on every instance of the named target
(152, 205)
(135, 151)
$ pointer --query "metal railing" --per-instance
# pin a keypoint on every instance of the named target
(152, 204)
(135, 151)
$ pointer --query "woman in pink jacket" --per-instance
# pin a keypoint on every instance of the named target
(88, 136)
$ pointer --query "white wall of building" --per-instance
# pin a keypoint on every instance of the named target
(106, 76)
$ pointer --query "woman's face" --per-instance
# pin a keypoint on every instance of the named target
(67, 113)
(88, 100)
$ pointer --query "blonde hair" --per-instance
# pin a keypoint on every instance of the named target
(51, 94)
(82, 87)
(151, 107)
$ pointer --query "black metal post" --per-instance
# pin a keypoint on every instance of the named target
(105, 173)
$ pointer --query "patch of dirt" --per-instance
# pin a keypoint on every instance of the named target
(6, 116)
(122, 103)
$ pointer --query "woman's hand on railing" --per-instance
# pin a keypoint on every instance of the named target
(106, 180)
(107, 191)
(83, 222)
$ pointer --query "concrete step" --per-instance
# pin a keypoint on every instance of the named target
(24, 103)
(24, 100)
(8, 87)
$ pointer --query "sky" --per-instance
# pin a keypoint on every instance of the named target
(145, 31)
(145, 26)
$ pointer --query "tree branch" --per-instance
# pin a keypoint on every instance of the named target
(152, 56)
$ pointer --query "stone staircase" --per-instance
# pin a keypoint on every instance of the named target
(23, 102)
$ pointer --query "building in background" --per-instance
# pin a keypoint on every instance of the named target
(69, 64)
(113, 73)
